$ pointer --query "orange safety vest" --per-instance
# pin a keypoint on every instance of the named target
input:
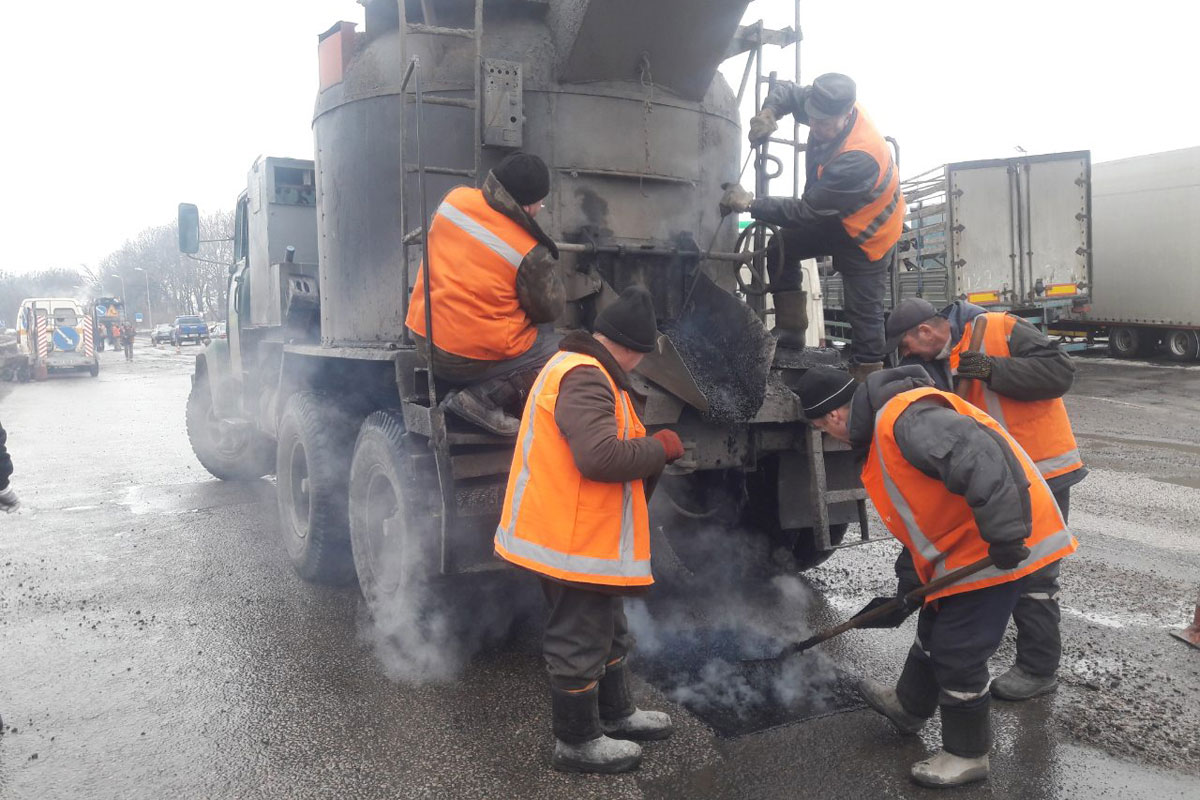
(475, 251)
(1040, 426)
(936, 525)
(876, 224)
(557, 522)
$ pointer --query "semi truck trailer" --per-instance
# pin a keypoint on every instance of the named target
(1146, 269)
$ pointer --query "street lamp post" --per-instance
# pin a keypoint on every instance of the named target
(149, 310)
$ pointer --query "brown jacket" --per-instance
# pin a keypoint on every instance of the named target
(585, 414)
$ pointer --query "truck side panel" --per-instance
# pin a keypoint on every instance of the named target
(1147, 270)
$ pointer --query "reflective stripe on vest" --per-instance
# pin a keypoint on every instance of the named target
(949, 538)
(475, 252)
(1042, 427)
(548, 538)
(876, 223)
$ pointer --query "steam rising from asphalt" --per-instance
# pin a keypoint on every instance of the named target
(430, 631)
(691, 639)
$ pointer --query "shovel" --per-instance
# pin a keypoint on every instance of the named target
(882, 612)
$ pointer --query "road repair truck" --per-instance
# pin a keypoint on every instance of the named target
(1146, 271)
(55, 334)
(319, 382)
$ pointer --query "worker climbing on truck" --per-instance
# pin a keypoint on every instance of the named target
(852, 209)
(1007, 367)
(495, 291)
(954, 488)
(575, 514)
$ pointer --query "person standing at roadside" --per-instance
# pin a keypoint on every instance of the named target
(575, 515)
(1010, 369)
(8, 498)
(127, 334)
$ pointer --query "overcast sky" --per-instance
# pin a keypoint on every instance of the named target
(117, 111)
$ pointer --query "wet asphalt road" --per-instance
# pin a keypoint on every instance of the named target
(154, 641)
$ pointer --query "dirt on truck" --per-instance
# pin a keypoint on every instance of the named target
(318, 381)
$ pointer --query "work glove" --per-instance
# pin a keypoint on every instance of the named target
(671, 444)
(762, 125)
(975, 365)
(909, 606)
(8, 501)
(736, 199)
(1007, 555)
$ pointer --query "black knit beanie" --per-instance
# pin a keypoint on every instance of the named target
(630, 320)
(823, 389)
(525, 176)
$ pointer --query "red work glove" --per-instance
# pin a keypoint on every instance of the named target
(672, 446)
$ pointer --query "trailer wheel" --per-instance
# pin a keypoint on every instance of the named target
(1182, 345)
(311, 463)
(241, 456)
(1131, 342)
(392, 527)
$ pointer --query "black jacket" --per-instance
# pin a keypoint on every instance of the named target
(972, 460)
(6, 467)
(844, 179)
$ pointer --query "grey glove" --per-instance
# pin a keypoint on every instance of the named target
(762, 125)
(975, 365)
(8, 501)
(736, 199)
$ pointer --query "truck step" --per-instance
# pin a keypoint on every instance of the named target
(435, 30)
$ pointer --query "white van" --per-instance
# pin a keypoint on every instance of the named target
(58, 333)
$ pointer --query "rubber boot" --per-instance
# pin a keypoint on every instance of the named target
(1017, 684)
(860, 371)
(620, 718)
(966, 740)
(791, 318)
(580, 744)
(883, 699)
(474, 404)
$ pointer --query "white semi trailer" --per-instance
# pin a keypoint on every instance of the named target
(1146, 268)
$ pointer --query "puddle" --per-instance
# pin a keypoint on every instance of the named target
(702, 671)
(192, 497)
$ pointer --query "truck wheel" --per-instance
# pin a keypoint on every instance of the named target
(230, 456)
(94, 369)
(1130, 342)
(392, 527)
(1182, 345)
(311, 464)
(804, 548)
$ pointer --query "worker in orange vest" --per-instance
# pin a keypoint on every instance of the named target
(852, 209)
(954, 488)
(575, 514)
(1007, 367)
(495, 291)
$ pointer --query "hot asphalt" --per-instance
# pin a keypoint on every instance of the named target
(154, 641)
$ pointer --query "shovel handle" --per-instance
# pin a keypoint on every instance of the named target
(885, 609)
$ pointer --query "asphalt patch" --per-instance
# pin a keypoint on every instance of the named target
(703, 671)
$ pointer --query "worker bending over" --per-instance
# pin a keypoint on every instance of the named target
(495, 289)
(852, 209)
(954, 488)
(575, 514)
(1007, 367)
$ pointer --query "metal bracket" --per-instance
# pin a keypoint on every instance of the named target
(503, 103)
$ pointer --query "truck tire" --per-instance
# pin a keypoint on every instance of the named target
(311, 464)
(1182, 345)
(94, 369)
(393, 531)
(243, 457)
(1131, 342)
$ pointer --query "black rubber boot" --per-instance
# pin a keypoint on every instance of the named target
(791, 318)
(620, 717)
(581, 745)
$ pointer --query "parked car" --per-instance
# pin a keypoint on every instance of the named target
(218, 331)
(189, 328)
(162, 334)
